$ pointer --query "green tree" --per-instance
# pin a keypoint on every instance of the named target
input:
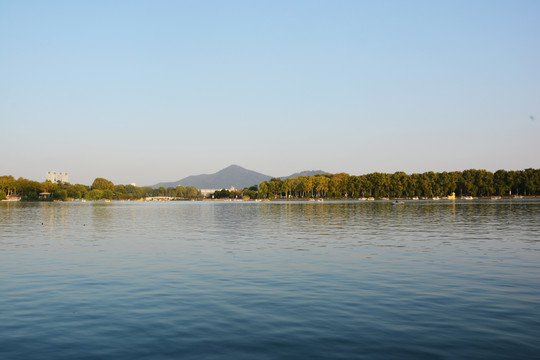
(49, 187)
(434, 185)
(223, 194)
(514, 181)
(8, 184)
(76, 191)
(398, 184)
(102, 184)
(247, 192)
(180, 191)
(94, 194)
(62, 195)
(444, 181)
(381, 185)
(120, 192)
(28, 189)
(147, 191)
(321, 185)
(191, 192)
(263, 190)
(134, 192)
(287, 187)
(308, 186)
(484, 182)
(500, 182)
(171, 191)
(467, 183)
(531, 181)
(345, 188)
(274, 187)
(333, 186)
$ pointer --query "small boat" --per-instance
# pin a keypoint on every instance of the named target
(398, 202)
(452, 197)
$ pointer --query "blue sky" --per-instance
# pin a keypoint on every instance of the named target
(150, 91)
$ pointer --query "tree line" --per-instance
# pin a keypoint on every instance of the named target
(100, 189)
(477, 183)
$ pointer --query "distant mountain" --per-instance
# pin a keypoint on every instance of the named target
(305, 173)
(233, 175)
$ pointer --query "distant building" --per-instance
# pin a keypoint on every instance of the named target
(57, 177)
(206, 192)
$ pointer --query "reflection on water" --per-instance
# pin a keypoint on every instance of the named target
(445, 279)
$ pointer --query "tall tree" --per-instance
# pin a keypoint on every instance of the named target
(102, 184)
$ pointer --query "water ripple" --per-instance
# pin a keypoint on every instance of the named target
(340, 280)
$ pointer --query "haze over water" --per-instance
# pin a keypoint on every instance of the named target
(191, 280)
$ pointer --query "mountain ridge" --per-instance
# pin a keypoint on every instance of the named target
(231, 176)
(304, 173)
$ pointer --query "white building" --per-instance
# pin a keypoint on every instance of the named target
(57, 177)
(206, 192)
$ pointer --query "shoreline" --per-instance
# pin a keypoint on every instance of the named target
(493, 198)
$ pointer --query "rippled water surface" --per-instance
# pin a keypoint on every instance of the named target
(240, 280)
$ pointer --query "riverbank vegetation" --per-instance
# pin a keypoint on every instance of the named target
(100, 189)
(476, 183)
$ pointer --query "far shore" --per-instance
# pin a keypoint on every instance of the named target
(445, 199)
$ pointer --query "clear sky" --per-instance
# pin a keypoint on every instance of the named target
(150, 91)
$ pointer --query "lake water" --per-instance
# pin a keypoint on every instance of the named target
(270, 280)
